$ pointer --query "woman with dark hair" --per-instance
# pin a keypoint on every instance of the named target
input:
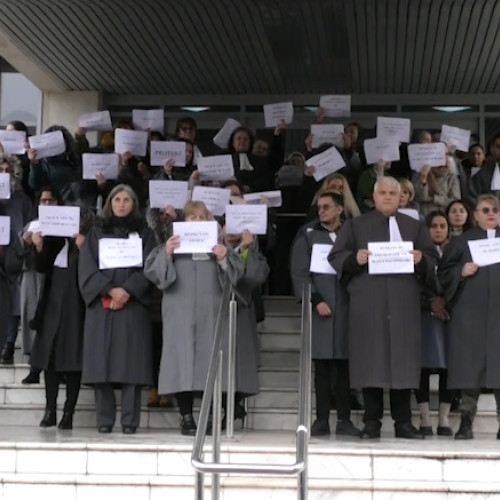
(186, 129)
(56, 171)
(117, 335)
(460, 217)
(25, 163)
(169, 172)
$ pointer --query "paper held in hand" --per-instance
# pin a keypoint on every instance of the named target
(391, 257)
(149, 119)
(13, 142)
(164, 193)
(326, 163)
(4, 229)
(196, 237)
(215, 199)
(118, 253)
(99, 121)
(454, 136)
(327, 134)
(319, 259)
(133, 141)
(336, 105)
(216, 168)
(381, 149)
(4, 186)
(272, 199)
(59, 221)
(420, 155)
(394, 128)
(274, 113)
(100, 163)
(163, 151)
(222, 137)
(485, 252)
(250, 217)
(48, 144)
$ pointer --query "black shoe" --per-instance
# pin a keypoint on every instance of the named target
(407, 431)
(371, 430)
(425, 430)
(128, 429)
(465, 429)
(188, 427)
(49, 419)
(444, 431)
(8, 354)
(104, 429)
(320, 428)
(33, 377)
(66, 421)
(346, 428)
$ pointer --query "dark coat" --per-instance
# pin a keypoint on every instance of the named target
(384, 310)
(474, 342)
(329, 334)
(117, 344)
(61, 310)
(481, 183)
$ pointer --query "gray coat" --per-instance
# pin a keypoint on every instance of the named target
(329, 334)
(117, 344)
(475, 317)
(192, 291)
(384, 310)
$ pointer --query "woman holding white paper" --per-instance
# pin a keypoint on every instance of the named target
(117, 337)
(472, 292)
(192, 290)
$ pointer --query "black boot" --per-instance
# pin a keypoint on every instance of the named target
(33, 377)
(49, 419)
(465, 430)
(66, 421)
(188, 427)
(8, 354)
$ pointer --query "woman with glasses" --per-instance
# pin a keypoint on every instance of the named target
(472, 291)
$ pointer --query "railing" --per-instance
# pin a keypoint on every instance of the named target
(213, 388)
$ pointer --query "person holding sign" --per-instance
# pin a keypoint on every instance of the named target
(329, 322)
(472, 290)
(59, 318)
(169, 172)
(192, 289)
(384, 309)
(117, 335)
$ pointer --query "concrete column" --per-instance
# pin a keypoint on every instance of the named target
(64, 108)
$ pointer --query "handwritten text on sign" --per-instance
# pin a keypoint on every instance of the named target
(391, 257)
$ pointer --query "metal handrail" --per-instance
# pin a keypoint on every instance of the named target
(213, 388)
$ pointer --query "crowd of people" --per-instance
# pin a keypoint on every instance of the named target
(151, 323)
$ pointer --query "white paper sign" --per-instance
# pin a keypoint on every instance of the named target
(222, 137)
(59, 221)
(4, 229)
(33, 227)
(13, 142)
(100, 121)
(163, 193)
(162, 151)
(272, 199)
(251, 217)
(48, 144)
(216, 168)
(215, 199)
(319, 259)
(133, 141)
(100, 163)
(391, 257)
(148, 119)
(393, 128)
(327, 134)
(196, 237)
(454, 136)
(410, 212)
(485, 252)
(336, 105)
(381, 149)
(118, 253)
(4, 186)
(274, 113)
(326, 163)
(420, 155)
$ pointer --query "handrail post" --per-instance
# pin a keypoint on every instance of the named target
(216, 427)
(231, 367)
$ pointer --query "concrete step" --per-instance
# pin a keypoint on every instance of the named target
(281, 305)
(280, 324)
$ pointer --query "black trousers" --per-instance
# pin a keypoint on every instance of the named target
(52, 379)
(422, 394)
(332, 376)
(374, 405)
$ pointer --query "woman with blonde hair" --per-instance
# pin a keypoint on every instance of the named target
(337, 183)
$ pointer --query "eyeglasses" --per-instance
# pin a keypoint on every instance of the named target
(487, 210)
